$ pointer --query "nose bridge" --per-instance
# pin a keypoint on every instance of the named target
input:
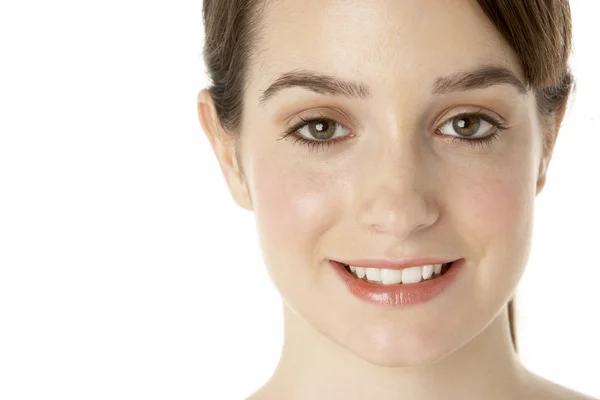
(394, 197)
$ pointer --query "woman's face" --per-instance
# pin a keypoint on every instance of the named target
(394, 181)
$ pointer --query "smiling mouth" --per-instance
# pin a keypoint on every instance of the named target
(383, 276)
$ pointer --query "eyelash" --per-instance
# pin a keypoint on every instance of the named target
(292, 133)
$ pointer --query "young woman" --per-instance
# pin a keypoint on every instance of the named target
(392, 152)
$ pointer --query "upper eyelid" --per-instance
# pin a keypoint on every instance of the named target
(353, 125)
(334, 114)
(495, 121)
(488, 118)
(491, 117)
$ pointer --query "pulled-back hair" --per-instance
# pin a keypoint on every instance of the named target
(539, 31)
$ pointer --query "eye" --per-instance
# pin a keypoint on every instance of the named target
(321, 129)
(471, 125)
(317, 133)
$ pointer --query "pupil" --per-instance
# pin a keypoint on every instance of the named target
(466, 126)
(462, 123)
(322, 129)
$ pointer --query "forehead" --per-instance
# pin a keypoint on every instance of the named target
(385, 43)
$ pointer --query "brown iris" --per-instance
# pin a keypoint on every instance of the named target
(467, 125)
(322, 129)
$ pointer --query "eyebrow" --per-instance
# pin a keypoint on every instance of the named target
(478, 78)
(319, 83)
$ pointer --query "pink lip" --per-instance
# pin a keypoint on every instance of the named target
(398, 294)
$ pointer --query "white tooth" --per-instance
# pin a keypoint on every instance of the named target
(374, 274)
(360, 272)
(411, 275)
(391, 276)
(352, 268)
(427, 271)
(437, 268)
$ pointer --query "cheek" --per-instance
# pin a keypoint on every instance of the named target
(501, 205)
(497, 219)
(292, 206)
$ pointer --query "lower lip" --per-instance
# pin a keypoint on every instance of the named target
(397, 294)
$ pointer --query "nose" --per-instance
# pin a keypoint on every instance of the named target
(397, 192)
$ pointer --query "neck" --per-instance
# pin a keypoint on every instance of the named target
(312, 367)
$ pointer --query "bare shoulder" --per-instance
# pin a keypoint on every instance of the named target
(544, 389)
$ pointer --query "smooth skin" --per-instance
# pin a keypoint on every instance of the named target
(395, 187)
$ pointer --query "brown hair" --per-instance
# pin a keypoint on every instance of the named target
(539, 31)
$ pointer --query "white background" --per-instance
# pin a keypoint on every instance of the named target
(126, 270)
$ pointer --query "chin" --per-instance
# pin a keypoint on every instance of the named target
(410, 350)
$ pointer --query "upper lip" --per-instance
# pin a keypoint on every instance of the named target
(395, 264)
